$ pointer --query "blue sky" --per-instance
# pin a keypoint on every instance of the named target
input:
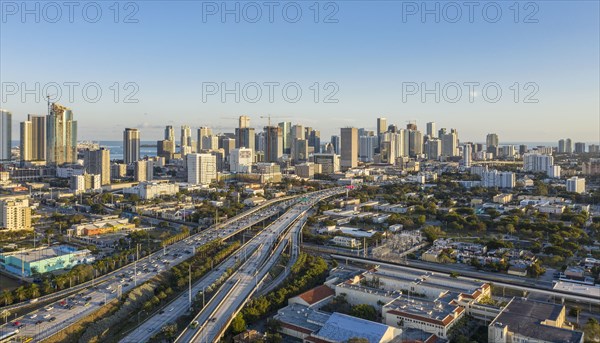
(369, 53)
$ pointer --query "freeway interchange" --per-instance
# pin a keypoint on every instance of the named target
(40, 324)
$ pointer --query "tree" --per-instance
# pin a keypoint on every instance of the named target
(364, 311)
(432, 233)
(21, 293)
(238, 324)
(7, 297)
(592, 330)
(535, 270)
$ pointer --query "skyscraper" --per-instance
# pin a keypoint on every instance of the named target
(131, 145)
(243, 122)
(61, 136)
(169, 133)
(433, 148)
(314, 140)
(430, 129)
(568, 146)
(415, 142)
(381, 126)
(186, 140)
(98, 162)
(337, 146)
(367, 145)
(38, 137)
(273, 143)
(203, 132)
(5, 134)
(349, 147)
(561, 146)
(467, 155)
(26, 141)
(286, 128)
(450, 144)
(491, 140)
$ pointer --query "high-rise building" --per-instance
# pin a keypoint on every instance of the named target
(568, 146)
(467, 155)
(118, 170)
(33, 138)
(367, 148)
(286, 131)
(431, 129)
(450, 144)
(561, 146)
(26, 141)
(330, 163)
(433, 148)
(535, 162)
(594, 148)
(202, 168)
(15, 214)
(186, 140)
(204, 132)
(381, 126)
(5, 134)
(131, 145)
(492, 143)
(169, 133)
(165, 148)
(314, 140)
(579, 148)
(243, 122)
(576, 185)
(300, 151)
(273, 143)
(241, 160)
(98, 162)
(415, 142)
(349, 147)
(337, 146)
(61, 136)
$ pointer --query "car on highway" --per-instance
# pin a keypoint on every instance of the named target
(52, 319)
(33, 316)
(49, 308)
(46, 316)
(194, 324)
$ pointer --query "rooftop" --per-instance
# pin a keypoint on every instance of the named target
(441, 310)
(317, 294)
(39, 254)
(525, 317)
(302, 316)
(341, 327)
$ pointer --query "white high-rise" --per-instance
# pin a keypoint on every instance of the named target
(576, 184)
(467, 155)
(202, 168)
(241, 160)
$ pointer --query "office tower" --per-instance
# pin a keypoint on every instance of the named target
(336, 142)
(492, 143)
(273, 143)
(568, 146)
(259, 142)
(387, 153)
(98, 162)
(227, 144)
(433, 148)
(381, 126)
(33, 138)
(594, 148)
(300, 151)
(15, 214)
(186, 140)
(441, 132)
(561, 146)
(392, 128)
(349, 147)
(26, 141)
(61, 136)
(297, 132)
(245, 138)
(131, 145)
(202, 168)
(201, 140)
(415, 141)
(522, 149)
(314, 140)
(579, 148)
(450, 144)
(576, 185)
(210, 142)
(467, 155)
(240, 160)
(286, 128)
(169, 133)
(165, 148)
(367, 148)
(430, 129)
(5, 134)
(243, 122)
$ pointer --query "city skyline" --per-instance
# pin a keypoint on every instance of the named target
(562, 71)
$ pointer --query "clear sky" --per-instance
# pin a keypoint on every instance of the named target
(372, 52)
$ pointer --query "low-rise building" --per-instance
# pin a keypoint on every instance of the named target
(347, 242)
(43, 260)
(101, 227)
(151, 190)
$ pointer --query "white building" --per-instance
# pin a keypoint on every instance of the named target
(240, 160)
(346, 241)
(576, 184)
(15, 214)
(151, 190)
(202, 168)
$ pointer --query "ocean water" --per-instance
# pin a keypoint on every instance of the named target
(116, 149)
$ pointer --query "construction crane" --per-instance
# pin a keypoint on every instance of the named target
(268, 116)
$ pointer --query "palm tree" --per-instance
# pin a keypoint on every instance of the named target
(7, 297)
(61, 281)
(21, 293)
(34, 291)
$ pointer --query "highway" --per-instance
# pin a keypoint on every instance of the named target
(119, 282)
(249, 277)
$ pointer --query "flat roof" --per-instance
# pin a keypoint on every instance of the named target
(525, 317)
(40, 254)
(302, 316)
(341, 327)
(436, 310)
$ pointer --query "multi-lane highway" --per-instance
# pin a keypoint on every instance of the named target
(214, 319)
(57, 316)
